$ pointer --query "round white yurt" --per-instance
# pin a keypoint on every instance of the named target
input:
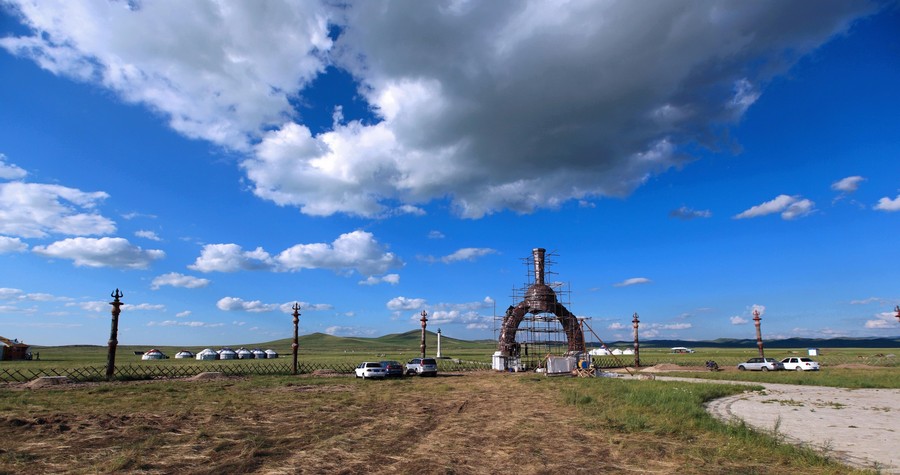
(628, 351)
(617, 352)
(271, 354)
(227, 354)
(599, 352)
(183, 354)
(259, 354)
(244, 354)
(154, 354)
(208, 354)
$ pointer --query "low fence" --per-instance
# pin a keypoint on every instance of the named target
(163, 371)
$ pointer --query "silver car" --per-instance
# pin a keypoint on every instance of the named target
(761, 364)
(422, 366)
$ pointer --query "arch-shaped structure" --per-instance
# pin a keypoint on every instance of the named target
(539, 298)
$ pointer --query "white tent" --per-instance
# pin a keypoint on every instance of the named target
(617, 352)
(183, 354)
(227, 354)
(244, 354)
(627, 351)
(259, 354)
(208, 354)
(599, 352)
(154, 354)
(271, 354)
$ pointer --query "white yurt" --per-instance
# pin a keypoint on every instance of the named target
(271, 354)
(183, 354)
(244, 354)
(259, 354)
(227, 354)
(208, 354)
(599, 352)
(154, 354)
(628, 351)
(617, 352)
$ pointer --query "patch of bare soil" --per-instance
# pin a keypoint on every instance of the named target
(47, 382)
(206, 376)
(664, 368)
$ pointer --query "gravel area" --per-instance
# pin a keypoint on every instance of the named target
(860, 427)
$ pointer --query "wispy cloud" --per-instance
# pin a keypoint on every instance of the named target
(687, 214)
(633, 281)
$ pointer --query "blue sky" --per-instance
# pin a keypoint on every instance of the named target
(217, 162)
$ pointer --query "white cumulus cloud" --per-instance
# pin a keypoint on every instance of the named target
(404, 303)
(883, 320)
(738, 320)
(887, 204)
(848, 184)
(392, 279)
(9, 244)
(36, 210)
(790, 207)
(357, 250)
(9, 171)
(229, 304)
(176, 279)
(147, 235)
(102, 252)
(454, 116)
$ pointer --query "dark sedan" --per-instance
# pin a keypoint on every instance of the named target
(392, 368)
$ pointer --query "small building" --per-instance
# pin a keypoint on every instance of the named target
(600, 352)
(13, 350)
(271, 354)
(617, 352)
(208, 354)
(259, 354)
(227, 354)
(154, 354)
(244, 354)
(183, 354)
(813, 351)
(628, 351)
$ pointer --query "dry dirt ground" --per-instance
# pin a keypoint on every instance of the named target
(472, 423)
(858, 426)
(476, 423)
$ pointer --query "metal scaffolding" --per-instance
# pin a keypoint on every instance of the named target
(539, 334)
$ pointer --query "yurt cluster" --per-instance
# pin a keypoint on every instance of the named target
(210, 354)
(614, 352)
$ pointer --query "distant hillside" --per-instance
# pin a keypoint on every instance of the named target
(408, 341)
(889, 342)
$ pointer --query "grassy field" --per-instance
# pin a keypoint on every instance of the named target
(481, 422)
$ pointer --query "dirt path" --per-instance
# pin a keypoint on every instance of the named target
(861, 427)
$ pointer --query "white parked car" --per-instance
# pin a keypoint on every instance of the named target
(800, 364)
(370, 369)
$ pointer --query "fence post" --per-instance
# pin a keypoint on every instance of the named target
(113, 335)
(296, 344)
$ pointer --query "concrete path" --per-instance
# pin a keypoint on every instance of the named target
(860, 427)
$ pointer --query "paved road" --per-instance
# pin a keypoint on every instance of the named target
(860, 427)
